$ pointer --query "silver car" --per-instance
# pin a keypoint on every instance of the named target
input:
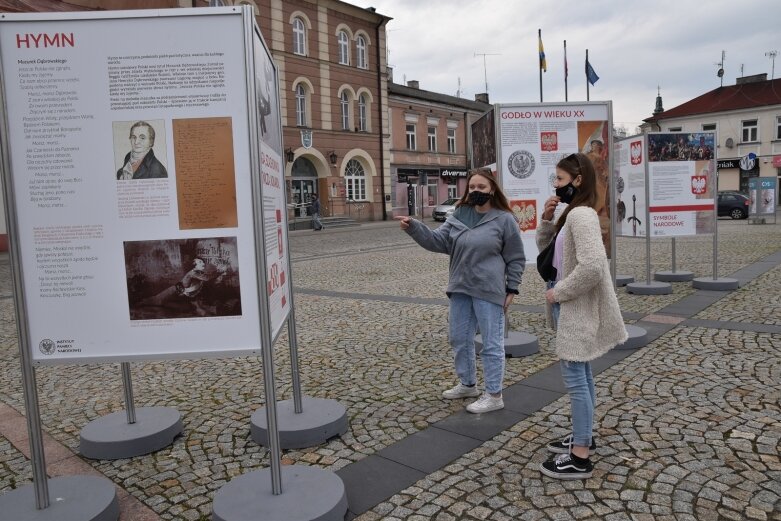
(443, 211)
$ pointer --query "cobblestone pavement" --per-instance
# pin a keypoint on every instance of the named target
(689, 426)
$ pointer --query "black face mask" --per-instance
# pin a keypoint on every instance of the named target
(477, 198)
(566, 193)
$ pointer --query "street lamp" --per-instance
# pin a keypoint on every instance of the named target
(333, 157)
(289, 155)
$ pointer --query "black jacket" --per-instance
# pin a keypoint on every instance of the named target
(150, 167)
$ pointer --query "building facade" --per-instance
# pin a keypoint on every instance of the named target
(333, 83)
(430, 149)
(747, 120)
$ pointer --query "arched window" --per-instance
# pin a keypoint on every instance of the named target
(363, 123)
(301, 105)
(344, 102)
(344, 48)
(360, 48)
(299, 37)
(355, 179)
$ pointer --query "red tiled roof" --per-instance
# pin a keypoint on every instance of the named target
(733, 97)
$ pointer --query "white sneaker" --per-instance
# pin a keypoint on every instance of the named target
(460, 391)
(485, 403)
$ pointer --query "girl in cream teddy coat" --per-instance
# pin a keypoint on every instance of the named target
(581, 304)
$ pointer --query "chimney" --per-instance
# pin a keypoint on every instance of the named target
(751, 79)
(483, 97)
(413, 84)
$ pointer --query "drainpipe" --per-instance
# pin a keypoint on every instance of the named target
(379, 113)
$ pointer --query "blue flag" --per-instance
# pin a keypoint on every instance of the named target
(591, 76)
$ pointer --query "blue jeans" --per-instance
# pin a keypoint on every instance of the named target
(466, 313)
(580, 385)
(582, 396)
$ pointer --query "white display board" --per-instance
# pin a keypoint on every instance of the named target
(762, 195)
(129, 251)
(532, 138)
(681, 183)
(629, 162)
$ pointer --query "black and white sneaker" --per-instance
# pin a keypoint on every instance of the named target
(565, 446)
(568, 466)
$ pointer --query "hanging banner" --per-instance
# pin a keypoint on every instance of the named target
(532, 138)
(131, 171)
(629, 160)
(681, 183)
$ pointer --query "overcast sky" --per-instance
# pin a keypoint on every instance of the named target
(633, 46)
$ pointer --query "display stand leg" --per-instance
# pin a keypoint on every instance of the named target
(649, 287)
(132, 433)
(303, 421)
(715, 283)
(674, 275)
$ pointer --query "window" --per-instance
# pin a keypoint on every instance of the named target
(451, 140)
(432, 139)
(360, 48)
(411, 137)
(708, 127)
(362, 120)
(344, 48)
(355, 178)
(674, 129)
(299, 37)
(345, 107)
(778, 127)
(750, 131)
(300, 105)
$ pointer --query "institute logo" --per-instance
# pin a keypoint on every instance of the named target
(549, 141)
(636, 152)
(47, 346)
(521, 164)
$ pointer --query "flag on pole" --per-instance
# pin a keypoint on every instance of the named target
(591, 76)
(543, 63)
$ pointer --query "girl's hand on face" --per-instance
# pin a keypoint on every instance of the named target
(550, 207)
(403, 221)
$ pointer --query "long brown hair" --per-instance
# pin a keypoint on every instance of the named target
(579, 165)
(498, 199)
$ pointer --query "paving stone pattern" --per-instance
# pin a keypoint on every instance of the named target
(688, 427)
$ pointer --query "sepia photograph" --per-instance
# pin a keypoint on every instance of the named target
(183, 278)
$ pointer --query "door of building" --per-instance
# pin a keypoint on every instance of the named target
(302, 194)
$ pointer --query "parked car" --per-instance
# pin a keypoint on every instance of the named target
(733, 204)
(443, 211)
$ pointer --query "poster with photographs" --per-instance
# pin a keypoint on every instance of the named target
(133, 188)
(762, 196)
(629, 186)
(681, 183)
(532, 139)
(484, 141)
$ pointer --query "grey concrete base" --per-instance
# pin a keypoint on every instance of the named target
(623, 280)
(638, 337)
(308, 494)
(674, 276)
(516, 345)
(319, 421)
(719, 284)
(649, 288)
(86, 498)
(112, 437)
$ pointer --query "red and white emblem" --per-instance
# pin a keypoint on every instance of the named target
(699, 184)
(636, 152)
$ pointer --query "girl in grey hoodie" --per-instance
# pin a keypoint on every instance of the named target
(486, 263)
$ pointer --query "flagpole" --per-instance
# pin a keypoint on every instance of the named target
(565, 71)
(586, 70)
(539, 45)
